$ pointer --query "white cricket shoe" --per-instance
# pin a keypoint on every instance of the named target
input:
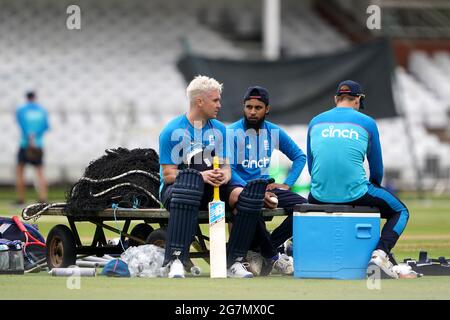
(176, 269)
(380, 259)
(255, 262)
(284, 265)
(239, 270)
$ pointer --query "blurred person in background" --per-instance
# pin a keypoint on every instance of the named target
(32, 119)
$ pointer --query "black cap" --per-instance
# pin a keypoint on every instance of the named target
(30, 95)
(257, 92)
(351, 88)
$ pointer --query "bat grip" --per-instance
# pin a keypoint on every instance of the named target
(216, 162)
(216, 189)
(216, 194)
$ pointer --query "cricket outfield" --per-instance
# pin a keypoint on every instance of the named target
(428, 229)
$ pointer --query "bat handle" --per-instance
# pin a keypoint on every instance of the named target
(216, 194)
(216, 162)
(216, 189)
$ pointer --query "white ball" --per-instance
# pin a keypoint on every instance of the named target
(274, 200)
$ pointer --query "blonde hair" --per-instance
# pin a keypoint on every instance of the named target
(200, 85)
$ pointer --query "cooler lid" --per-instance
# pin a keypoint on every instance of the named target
(333, 208)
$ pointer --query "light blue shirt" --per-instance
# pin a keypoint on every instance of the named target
(179, 137)
(251, 153)
(33, 121)
(337, 143)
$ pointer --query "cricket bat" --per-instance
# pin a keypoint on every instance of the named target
(217, 234)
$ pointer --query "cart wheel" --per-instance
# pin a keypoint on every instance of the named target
(61, 247)
(141, 231)
(157, 237)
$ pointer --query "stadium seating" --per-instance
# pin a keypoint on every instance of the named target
(415, 147)
(420, 104)
(304, 33)
(103, 84)
(433, 73)
(115, 82)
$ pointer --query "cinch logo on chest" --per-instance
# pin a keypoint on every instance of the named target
(261, 163)
(330, 132)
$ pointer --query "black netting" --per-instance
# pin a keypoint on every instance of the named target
(128, 178)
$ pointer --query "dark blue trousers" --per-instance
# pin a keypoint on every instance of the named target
(391, 209)
(267, 242)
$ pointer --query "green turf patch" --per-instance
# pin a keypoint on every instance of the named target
(428, 229)
(44, 286)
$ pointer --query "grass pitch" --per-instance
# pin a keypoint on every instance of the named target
(428, 229)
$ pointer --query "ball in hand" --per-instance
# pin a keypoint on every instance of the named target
(274, 200)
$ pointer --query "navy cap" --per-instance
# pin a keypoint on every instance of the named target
(351, 88)
(116, 268)
(30, 94)
(257, 92)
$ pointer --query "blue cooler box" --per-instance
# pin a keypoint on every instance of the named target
(334, 241)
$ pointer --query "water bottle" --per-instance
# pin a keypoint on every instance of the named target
(4, 257)
(73, 271)
(16, 263)
(196, 271)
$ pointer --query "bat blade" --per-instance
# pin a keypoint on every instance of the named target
(217, 240)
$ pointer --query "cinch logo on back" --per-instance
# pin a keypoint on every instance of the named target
(261, 163)
(340, 133)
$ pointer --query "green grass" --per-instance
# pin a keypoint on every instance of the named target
(43, 286)
(428, 229)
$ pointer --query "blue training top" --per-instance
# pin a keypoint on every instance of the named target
(250, 153)
(33, 121)
(338, 141)
(179, 137)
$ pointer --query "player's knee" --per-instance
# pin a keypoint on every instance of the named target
(406, 213)
(188, 188)
(234, 196)
(251, 199)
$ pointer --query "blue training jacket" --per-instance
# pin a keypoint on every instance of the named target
(179, 137)
(33, 121)
(250, 153)
(337, 143)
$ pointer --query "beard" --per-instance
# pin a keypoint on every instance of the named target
(251, 124)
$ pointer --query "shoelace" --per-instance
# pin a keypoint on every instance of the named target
(390, 265)
(244, 265)
(284, 257)
(386, 262)
(282, 263)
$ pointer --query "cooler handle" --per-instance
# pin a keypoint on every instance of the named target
(363, 231)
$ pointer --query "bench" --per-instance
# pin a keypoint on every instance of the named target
(64, 244)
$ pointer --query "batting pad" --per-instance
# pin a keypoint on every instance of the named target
(184, 205)
(249, 206)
